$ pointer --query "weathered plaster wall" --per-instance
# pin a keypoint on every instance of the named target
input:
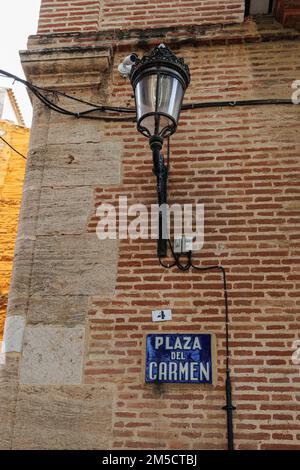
(12, 171)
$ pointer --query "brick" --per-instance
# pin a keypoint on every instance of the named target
(242, 163)
(109, 14)
(238, 199)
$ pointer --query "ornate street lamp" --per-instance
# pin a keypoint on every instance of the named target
(159, 81)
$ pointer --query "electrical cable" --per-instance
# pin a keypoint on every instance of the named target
(168, 153)
(59, 109)
(37, 91)
(9, 145)
(229, 407)
(255, 102)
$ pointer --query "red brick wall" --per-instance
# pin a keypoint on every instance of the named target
(243, 164)
(65, 16)
(170, 13)
(92, 15)
(287, 12)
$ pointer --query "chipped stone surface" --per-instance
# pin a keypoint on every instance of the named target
(67, 265)
(20, 281)
(64, 210)
(19, 288)
(29, 211)
(68, 67)
(13, 334)
(66, 417)
(66, 310)
(40, 123)
(8, 396)
(9, 369)
(64, 129)
(58, 266)
(52, 355)
(83, 164)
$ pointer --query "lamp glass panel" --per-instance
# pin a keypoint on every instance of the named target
(170, 96)
(145, 95)
(158, 94)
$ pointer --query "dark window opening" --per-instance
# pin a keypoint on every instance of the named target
(258, 7)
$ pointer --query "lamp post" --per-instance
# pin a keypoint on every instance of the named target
(159, 81)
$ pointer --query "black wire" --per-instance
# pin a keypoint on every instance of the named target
(85, 114)
(167, 265)
(107, 118)
(36, 90)
(53, 106)
(21, 155)
(177, 259)
(189, 265)
(233, 103)
(50, 104)
(96, 107)
(168, 153)
(229, 407)
(61, 110)
(108, 108)
(222, 269)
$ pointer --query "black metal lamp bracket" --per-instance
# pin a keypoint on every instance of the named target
(161, 172)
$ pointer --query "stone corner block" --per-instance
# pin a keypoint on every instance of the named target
(63, 417)
(13, 334)
(52, 355)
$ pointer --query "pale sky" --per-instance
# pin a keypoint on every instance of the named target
(19, 19)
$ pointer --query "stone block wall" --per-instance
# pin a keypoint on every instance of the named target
(74, 378)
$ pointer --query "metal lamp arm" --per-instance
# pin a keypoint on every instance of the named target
(161, 172)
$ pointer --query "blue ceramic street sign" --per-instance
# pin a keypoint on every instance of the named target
(179, 358)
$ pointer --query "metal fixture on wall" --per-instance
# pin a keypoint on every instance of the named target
(159, 81)
(104, 112)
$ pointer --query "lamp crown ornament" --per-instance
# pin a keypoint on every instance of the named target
(161, 55)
